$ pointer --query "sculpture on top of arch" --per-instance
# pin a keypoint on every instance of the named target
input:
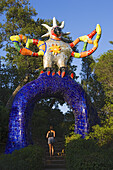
(54, 49)
(49, 84)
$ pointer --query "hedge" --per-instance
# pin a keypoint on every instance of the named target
(30, 158)
(82, 154)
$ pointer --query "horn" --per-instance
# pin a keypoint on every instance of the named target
(47, 26)
(54, 22)
(66, 33)
(62, 25)
(46, 35)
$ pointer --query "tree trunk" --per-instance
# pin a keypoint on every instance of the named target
(10, 101)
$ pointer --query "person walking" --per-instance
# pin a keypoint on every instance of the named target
(51, 139)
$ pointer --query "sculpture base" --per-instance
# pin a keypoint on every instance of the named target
(44, 87)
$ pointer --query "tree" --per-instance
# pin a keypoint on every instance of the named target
(90, 83)
(97, 80)
(43, 117)
(86, 72)
(111, 42)
(3, 123)
(18, 17)
(104, 72)
(9, 81)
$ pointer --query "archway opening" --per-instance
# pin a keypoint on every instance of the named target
(47, 112)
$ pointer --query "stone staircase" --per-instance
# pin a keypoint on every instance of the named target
(56, 162)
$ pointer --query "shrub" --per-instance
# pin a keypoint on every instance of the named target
(74, 136)
(84, 154)
(30, 158)
(103, 135)
(4, 116)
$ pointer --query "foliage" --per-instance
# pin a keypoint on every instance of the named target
(90, 83)
(102, 134)
(93, 152)
(68, 122)
(18, 21)
(74, 136)
(86, 70)
(97, 83)
(30, 157)
(9, 76)
(111, 42)
(85, 154)
(3, 123)
(104, 67)
(9, 81)
(43, 117)
(104, 72)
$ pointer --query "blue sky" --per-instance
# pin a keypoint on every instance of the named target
(80, 19)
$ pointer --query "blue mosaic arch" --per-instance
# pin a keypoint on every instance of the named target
(44, 87)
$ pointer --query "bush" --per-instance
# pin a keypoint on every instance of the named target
(4, 117)
(103, 135)
(30, 158)
(84, 154)
(74, 136)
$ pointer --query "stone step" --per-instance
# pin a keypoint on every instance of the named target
(55, 157)
(55, 161)
(55, 169)
(56, 151)
(51, 166)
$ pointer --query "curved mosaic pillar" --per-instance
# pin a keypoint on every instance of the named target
(44, 86)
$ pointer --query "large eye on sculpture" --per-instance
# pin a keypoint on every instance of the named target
(57, 30)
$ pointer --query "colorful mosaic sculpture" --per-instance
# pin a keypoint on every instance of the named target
(49, 84)
(54, 49)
